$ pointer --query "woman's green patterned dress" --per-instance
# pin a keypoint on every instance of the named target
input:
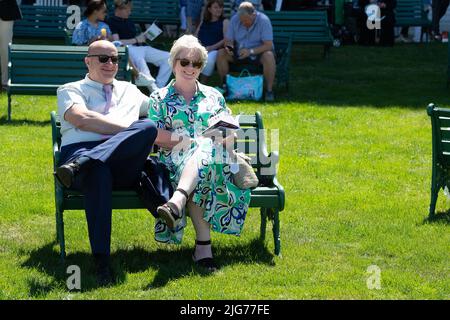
(225, 204)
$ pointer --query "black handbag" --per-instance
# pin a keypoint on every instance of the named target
(154, 187)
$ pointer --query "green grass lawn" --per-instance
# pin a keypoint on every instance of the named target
(355, 161)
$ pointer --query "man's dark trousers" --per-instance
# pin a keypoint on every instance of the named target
(117, 163)
(439, 7)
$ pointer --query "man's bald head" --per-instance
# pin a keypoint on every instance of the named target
(98, 71)
(100, 45)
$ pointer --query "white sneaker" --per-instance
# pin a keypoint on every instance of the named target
(152, 87)
(404, 39)
(144, 80)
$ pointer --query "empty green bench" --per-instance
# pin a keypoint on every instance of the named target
(268, 196)
(40, 70)
(41, 22)
(306, 27)
(411, 13)
(440, 168)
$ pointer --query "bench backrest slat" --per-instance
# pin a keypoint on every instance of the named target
(41, 21)
(54, 65)
(440, 119)
(410, 12)
(303, 25)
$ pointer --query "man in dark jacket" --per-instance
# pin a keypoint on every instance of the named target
(9, 11)
(387, 16)
(439, 9)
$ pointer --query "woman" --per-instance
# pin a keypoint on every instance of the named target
(211, 33)
(90, 29)
(9, 12)
(203, 180)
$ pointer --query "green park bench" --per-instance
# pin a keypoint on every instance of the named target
(411, 13)
(40, 70)
(268, 196)
(440, 169)
(283, 49)
(41, 22)
(306, 27)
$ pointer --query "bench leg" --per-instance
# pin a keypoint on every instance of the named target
(9, 107)
(262, 235)
(276, 231)
(326, 51)
(274, 214)
(434, 196)
(60, 234)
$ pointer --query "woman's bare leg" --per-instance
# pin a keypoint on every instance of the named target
(188, 182)
(202, 231)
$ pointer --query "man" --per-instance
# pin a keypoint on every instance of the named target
(387, 14)
(249, 39)
(256, 3)
(124, 30)
(439, 10)
(104, 145)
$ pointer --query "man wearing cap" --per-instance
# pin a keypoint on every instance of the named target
(249, 39)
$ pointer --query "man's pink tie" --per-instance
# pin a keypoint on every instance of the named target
(107, 88)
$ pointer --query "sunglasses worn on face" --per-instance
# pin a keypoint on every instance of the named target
(103, 58)
(186, 62)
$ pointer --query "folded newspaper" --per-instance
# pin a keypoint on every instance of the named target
(152, 32)
(220, 123)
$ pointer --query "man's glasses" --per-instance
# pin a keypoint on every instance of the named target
(103, 58)
(195, 64)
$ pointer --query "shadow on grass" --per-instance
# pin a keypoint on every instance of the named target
(439, 218)
(20, 122)
(170, 264)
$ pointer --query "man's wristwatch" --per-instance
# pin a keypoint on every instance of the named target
(252, 52)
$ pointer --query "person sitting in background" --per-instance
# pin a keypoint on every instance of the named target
(439, 10)
(199, 172)
(90, 29)
(193, 14)
(249, 40)
(9, 11)
(387, 15)
(210, 33)
(236, 3)
(124, 30)
(183, 18)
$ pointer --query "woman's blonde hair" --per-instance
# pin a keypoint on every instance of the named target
(190, 43)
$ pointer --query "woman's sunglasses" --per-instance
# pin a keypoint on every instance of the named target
(195, 64)
(103, 58)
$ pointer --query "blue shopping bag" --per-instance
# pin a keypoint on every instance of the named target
(245, 87)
